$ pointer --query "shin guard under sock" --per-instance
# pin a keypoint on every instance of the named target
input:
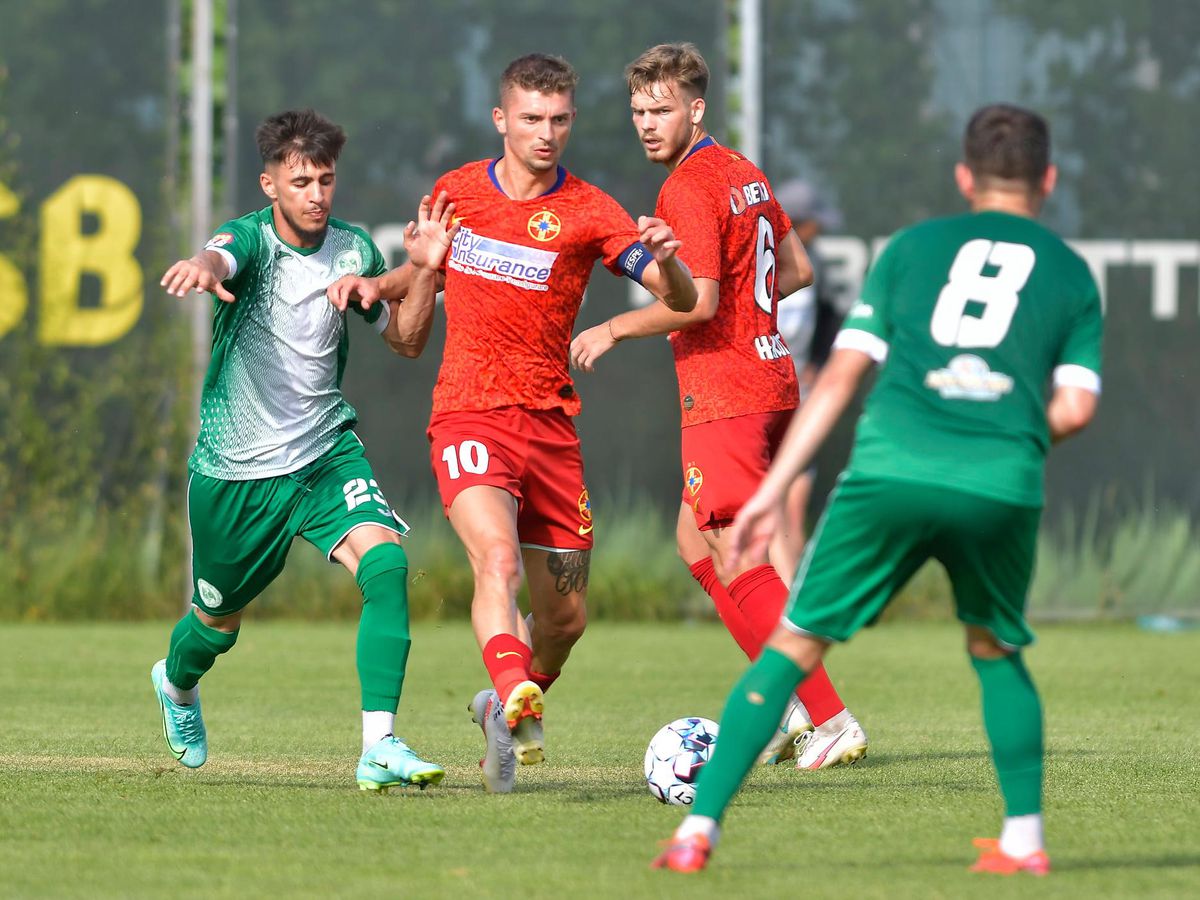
(383, 635)
(507, 659)
(194, 648)
(1012, 718)
(750, 718)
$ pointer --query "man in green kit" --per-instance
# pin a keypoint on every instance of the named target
(276, 455)
(970, 318)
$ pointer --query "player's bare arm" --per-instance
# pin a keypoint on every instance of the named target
(647, 321)
(795, 268)
(1069, 411)
(758, 520)
(666, 277)
(426, 241)
(203, 273)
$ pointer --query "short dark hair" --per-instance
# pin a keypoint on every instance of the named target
(680, 63)
(1007, 142)
(299, 133)
(539, 72)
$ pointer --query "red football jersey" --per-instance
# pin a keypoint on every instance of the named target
(720, 206)
(515, 277)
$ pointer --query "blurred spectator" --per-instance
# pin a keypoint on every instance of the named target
(808, 322)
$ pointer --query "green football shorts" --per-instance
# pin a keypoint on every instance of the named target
(242, 530)
(876, 533)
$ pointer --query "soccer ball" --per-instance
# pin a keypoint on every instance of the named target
(675, 757)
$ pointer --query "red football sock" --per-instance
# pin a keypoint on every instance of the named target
(542, 680)
(735, 623)
(507, 659)
(760, 595)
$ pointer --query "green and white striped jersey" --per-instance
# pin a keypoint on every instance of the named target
(972, 317)
(272, 400)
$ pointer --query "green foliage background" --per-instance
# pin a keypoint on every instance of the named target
(865, 98)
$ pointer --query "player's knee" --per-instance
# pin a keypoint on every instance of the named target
(982, 644)
(502, 564)
(225, 624)
(386, 560)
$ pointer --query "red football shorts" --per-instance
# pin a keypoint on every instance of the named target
(532, 454)
(725, 459)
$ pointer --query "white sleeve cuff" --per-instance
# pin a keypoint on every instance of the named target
(1077, 376)
(230, 260)
(385, 316)
(863, 341)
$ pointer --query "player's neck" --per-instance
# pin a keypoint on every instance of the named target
(518, 183)
(1015, 203)
(698, 134)
(292, 237)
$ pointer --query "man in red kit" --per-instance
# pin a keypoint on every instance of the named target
(526, 236)
(737, 384)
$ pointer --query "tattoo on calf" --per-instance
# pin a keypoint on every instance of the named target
(570, 570)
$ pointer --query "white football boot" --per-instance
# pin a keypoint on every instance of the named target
(498, 766)
(782, 745)
(838, 742)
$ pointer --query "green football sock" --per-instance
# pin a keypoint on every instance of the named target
(383, 636)
(751, 716)
(1012, 718)
(194, 648)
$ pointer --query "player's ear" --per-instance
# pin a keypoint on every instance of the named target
(268, 186)
(965, 180)
(696, 110)
(1049, 180)
(498, 120)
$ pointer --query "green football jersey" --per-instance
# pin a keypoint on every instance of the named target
(972, 317)
(272, 400)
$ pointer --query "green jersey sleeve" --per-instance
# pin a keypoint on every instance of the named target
(239, 241)
(1082, 346)
(374, 265)
(868, 325)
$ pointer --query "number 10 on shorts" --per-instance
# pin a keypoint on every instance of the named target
(469, 456)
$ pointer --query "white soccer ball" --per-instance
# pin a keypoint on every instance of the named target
(675, 757)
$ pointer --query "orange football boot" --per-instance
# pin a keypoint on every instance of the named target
(996, 861)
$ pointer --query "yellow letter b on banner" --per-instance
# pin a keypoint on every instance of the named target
(68, 252)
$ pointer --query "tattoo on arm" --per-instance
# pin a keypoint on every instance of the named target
(570, 570)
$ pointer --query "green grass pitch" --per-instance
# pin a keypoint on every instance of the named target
(92, 805)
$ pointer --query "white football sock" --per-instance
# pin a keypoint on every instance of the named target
(699, 825)
(1022, 835)
(377, 724)
(178, 695)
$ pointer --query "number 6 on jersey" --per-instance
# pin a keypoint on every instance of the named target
(951, 326)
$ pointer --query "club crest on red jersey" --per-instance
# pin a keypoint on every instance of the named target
(694, 479)
(585, 512)
(737, 203)
(544, 226)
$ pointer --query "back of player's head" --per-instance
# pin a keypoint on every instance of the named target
(678, 63)
(539, 72)
(300, 134)
(1008, 143)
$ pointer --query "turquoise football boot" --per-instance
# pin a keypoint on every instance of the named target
(183, 727)
(390, 763)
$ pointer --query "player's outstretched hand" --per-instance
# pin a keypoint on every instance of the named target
(756, 522)
(353, 289)
(427, 239)
(590, 345)
(196, 274)
(658, 238)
